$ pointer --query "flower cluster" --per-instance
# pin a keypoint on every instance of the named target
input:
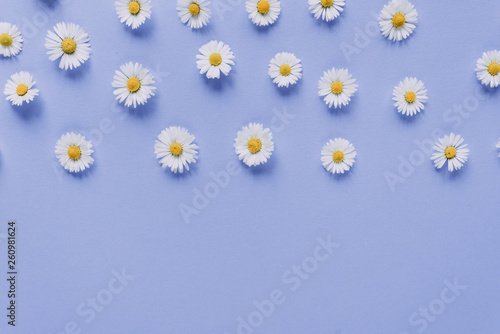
(134, 84)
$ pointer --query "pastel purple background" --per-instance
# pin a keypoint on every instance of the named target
(398, 245)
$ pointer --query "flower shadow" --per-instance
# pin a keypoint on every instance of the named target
(406, 119)
(29, 111)
(11, 58)
(83, 174)
(266, 29)
(220, 84)
(144, 110)
(181, 177)
(342, 177)
(50, 3)
(146, 30)
(487, 90)
(262, 169)
(456, 174)
(330, 24)
(399, 44)
(290, 90)
(203, 30)
(344, 111)
(78, 73)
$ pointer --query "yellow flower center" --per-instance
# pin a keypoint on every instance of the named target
(194, 9)
(21, 89)
(134, 7)
(263, 6)
(398, 20)
(74, 152)
(337, 87)
(494, 68)
(285, 70)
(450, 152)
(5, 39)
(69, 45)
(410, 97)
(133, 85)
(176, 149)
(338, 156)
(254, 145)
(215, 59)
(326, 3)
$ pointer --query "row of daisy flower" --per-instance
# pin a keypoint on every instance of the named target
(135, 84)
(397, 19)
(175, 149)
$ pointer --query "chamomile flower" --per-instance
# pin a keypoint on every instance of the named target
(254, 144)
(215, 57)
(133, 84)
(327, 10)
(337, 86)
(11, 40)
(133, 12)
(74, 152)
(337, 156)
(410, 95)
(194, 12)
(488, 69)
(263, 12)
(70, 43)
(397, 20)
(451, 149)
(285, 69)
(19, 88)
(175, 149)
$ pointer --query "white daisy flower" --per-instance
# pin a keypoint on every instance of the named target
(254, 144)
(328, 10)
(337, 86)
(285, 69)
(450, 149)
(194, 12)
(74, 152)
(133, 12)
(397, 20)
(215, 57)
(337, 156)
(488, 69)
(20, 89)
(70, 43)
(133, 84)
(175, 149)
(410, 95)
(498, 145)
(11, 40)
(263, 12)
